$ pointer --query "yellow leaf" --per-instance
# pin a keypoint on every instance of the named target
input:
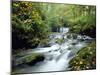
(91, 52)
(81, 62)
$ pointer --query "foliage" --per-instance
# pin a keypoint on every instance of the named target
(85, 59)
(31, 22)
(28, 28)
(84, 20)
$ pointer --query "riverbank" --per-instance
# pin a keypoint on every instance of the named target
(85, 59)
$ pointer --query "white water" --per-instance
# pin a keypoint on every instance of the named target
(64, 30)
(57, 56)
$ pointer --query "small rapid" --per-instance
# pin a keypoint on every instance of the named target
(57, 56)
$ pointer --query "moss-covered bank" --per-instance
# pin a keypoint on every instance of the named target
(85, 59)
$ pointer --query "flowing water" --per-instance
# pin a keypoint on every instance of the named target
(57, 56)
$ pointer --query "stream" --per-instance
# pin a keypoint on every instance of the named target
(57, 56)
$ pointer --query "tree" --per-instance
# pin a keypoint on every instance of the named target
(28, 27)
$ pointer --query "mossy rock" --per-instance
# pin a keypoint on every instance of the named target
(59, 41)
(85, 58)
(32, 58)
(71, 35)
(44, 43)
(36, 60)
(74, 36)
(74, 43)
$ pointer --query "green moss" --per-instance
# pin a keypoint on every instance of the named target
(30, 57)
(69, 36)
(85, 59)
(44, 43)
(59, 41)
(34, 58)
